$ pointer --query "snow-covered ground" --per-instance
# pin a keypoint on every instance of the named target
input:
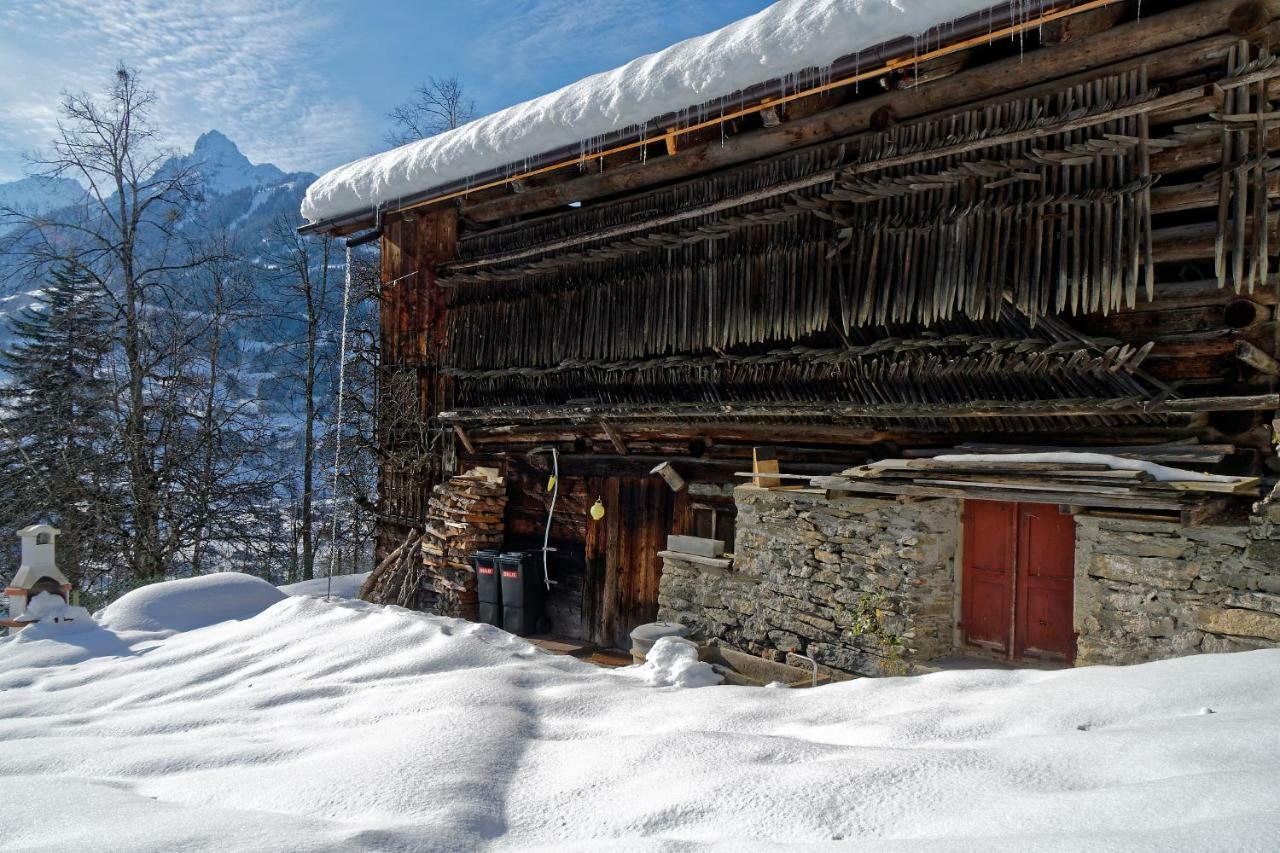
(344, 586)
(317, 725)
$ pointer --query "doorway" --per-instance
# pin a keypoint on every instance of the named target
(1019, 571)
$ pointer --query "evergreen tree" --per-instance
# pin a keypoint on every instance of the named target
(56, 455)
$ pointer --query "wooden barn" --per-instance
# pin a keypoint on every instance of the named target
(920, 282)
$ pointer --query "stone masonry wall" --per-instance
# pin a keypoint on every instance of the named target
(1152, 590)
(868, 585)
(861, 585)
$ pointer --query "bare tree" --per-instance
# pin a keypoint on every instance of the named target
(437, 105)
(129, 240)
(228, 484)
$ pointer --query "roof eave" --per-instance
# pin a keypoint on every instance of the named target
(993, 18)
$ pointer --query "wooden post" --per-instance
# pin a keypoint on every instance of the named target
(412, 324)
(764, 460)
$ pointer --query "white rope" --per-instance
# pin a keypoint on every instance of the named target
(337, 442)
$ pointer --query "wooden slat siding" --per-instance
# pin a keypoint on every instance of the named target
(1159, 38)
(615, 540)
(595, 569)
(1181, 50)
(412, 321)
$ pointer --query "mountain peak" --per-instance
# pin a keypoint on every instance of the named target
(215, 140)
(224, 166)
(39, 194)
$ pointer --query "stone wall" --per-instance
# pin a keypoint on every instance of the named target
(869, 586)
(861, 585)
(1152, 590)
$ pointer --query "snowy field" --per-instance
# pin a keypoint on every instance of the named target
(300, 724)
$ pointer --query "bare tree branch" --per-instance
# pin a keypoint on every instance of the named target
(437, 105)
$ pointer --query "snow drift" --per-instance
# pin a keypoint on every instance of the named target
(787, 38)
(346, 726)
(673, 662)
(184, 605)
(343, 586)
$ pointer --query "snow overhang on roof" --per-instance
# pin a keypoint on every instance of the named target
(791, 45)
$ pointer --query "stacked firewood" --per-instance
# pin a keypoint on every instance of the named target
(432, 569)
(464, 516)
(400, 578)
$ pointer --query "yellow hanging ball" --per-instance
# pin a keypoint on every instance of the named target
(597, 509)
(551, 483)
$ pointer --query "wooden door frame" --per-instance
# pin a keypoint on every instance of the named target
(1015, 641)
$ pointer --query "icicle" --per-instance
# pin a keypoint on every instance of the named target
(337, 441)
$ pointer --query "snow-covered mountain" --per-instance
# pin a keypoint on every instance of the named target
(40, 195)
(241, 199)
(239, 195)
(224, 168)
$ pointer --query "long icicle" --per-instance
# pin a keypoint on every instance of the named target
(337, 441)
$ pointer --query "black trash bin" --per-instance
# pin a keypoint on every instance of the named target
(488, 587)
(523, 591)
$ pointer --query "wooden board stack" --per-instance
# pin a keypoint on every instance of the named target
(464, 515)
(1068, 482)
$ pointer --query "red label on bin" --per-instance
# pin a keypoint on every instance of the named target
(485, 570)
(512, 575)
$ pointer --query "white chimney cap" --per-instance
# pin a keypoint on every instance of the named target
(38, 557)
(37, 529)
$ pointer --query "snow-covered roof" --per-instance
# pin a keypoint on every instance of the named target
(787, 39)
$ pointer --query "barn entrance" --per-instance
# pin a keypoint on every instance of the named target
(1019, 570)
(606, 572)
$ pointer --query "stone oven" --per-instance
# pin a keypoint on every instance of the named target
(38, 572)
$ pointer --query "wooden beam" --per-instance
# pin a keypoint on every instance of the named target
(975, 409)
(615, 438)
(464, 438)
(1257, 359)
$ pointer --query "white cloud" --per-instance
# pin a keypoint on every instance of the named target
(245, 67)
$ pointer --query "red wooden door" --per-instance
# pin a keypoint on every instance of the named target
(1046, 575)
(1019, 570)
(990, 550)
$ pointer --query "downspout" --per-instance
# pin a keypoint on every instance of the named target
(370, 235)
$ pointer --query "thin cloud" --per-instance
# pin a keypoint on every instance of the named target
(528, 35)
(242, 66)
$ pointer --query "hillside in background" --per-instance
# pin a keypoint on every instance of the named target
(242, 197)
(248, 205)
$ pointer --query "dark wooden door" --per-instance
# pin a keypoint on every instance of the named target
(1019, 569)
(1046, 575)
(990, 552)
(622, 556)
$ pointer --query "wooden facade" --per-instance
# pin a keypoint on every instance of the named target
(1067, 235)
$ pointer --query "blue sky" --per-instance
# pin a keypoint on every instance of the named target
(306, 84)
